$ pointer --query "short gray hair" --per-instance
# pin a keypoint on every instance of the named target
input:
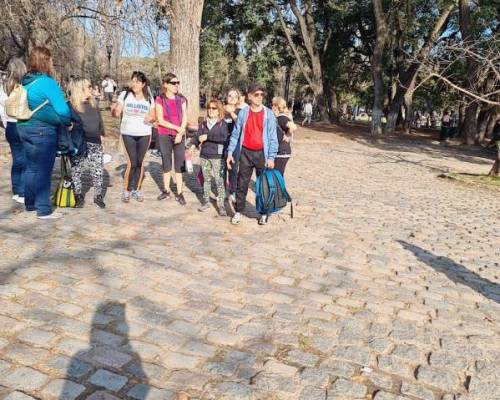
(16, 69)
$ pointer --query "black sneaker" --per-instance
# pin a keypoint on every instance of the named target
(99, 202)
(180, 199)
(80, 201)
(164, 195)
(222, 211)
(204, 207)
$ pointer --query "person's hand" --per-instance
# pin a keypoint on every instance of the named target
(229, 162)
(270, 164)
(287, 138)
(178, 138)
(202, 138)
(70, 127)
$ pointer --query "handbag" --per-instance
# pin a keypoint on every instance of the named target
(16, 105)
(65, 195)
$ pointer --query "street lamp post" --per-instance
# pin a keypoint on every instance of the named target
(109, 49)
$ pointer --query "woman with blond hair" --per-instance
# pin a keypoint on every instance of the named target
(286, 127)
(15, 71)
(212, 137)
(88, 117)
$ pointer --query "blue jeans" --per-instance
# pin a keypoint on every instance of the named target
(18, 159)
(40, 147)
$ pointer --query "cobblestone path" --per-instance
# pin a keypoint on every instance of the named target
(384, 286)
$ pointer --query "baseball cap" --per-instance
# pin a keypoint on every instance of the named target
(255, 87)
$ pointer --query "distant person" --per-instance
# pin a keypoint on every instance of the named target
(212, 138)
(83, 104)
(308, 112)
(254, 143)
(136, 107)
(171, 111)
(445, 126)
(97, 95)
(455, 121)
(108, 86)
(16, 69)
(286, 127)
(242, 101)
(39, 134)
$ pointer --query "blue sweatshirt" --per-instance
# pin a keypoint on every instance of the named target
(269, 134)
(42, 88)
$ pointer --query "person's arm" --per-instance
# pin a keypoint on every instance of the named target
(117, 108)
(273, 140)
(234, 139)
(161, 119)
(55, 96)
(102, 130)
(3, 115)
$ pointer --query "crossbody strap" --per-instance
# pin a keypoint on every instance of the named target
(39, 106)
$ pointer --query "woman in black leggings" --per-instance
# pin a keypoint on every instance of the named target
(136, 107)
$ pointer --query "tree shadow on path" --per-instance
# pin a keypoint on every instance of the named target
(109, 365)
(456, 272)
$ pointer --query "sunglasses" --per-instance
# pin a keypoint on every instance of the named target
(174, 82)
(212, 108)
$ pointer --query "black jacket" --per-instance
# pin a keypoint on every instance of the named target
(217, 140)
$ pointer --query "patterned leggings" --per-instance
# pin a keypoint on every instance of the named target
(93, 159)
(213, 168)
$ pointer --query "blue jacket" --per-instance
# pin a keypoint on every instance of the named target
(269, 135)
(42, 88)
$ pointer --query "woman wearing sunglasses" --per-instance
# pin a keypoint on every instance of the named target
(212, 137)
(171, 111)
(136, 106)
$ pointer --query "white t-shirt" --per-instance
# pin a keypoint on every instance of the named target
(108, 85)
(5, 118)
(308, 108)
(134, 112)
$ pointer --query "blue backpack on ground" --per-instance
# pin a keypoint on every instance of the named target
(270, 193)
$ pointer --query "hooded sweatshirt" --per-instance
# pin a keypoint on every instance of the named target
(42, 88)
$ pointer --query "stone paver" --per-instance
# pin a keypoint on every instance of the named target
(385, 285)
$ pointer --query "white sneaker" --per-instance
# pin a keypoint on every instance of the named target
(18, 199)
(54, 215)
(263, 220)
(236, 219)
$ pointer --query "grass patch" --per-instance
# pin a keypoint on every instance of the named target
(483, 180)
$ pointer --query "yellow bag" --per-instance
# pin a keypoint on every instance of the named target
(65, 195)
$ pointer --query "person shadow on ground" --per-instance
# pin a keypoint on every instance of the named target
(109, 367)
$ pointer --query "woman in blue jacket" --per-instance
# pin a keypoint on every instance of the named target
(39, 134)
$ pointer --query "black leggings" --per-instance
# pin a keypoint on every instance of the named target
(135, 148)
(166, 146)
(280, 164)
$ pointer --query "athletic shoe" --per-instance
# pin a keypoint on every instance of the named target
(236, 218)
(204, 207)
(80, 201)
(54, 215)
(164, 195)
(126, 197)
(137, 196)
(222, 211)
(263, 220)
(180, 199)
(18, 199)
(99, 202)
(156, 153)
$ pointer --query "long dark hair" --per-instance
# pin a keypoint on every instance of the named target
(166, 79)
(141, 77)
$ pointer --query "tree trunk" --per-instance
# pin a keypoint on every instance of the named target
(377, 68)
(469, 126)
(491, 124)
(333, 104)
(408, 77)
(482, 123)
(495, 169)
(185, 26)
